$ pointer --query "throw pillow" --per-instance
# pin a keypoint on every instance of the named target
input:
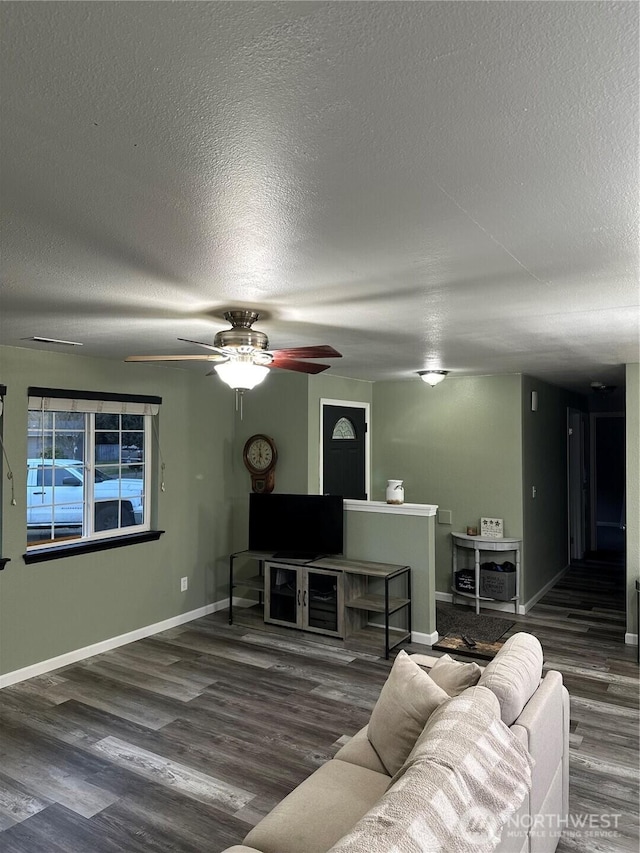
(407, 700)
(514, 674)
(454, 676)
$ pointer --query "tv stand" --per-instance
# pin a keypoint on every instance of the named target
(296, 555)
(330, 595)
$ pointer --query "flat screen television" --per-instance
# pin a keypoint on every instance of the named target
(296, 526)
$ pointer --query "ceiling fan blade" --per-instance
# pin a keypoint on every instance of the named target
(200, 344)
(321, 351)
(285, 363)
(174, 358)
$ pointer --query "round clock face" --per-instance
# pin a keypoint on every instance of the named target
(260, 454)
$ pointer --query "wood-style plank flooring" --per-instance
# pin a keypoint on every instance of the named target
(183, 741)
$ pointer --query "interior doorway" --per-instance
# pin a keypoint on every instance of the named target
(608, 524)
(344, 449)
(577, 483)
(596, 486)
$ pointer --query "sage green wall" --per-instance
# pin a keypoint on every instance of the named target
(286, 407)
(457, 445)
(48, 609)
(278, 408)
(403, 540)
(329, 387)
(633, 491)
(544, 460)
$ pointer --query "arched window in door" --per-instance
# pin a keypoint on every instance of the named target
(344, 429)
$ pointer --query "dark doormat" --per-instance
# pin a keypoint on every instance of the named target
(453, 622)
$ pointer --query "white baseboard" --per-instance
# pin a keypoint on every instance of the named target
(444, 596)
(424, 639)
(545, 589)
(114, 642)
(631, 639)
(503, 606)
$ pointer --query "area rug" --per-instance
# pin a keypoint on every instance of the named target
(453, 623)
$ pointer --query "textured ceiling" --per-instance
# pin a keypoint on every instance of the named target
(447, 184)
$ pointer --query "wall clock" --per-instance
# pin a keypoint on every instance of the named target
(260, 456)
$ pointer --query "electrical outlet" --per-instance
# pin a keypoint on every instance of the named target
(184, 584)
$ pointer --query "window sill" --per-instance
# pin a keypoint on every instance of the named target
(61, 551)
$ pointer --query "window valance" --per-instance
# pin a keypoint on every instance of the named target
(64, 400)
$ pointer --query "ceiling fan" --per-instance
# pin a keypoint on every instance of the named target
(243, 354)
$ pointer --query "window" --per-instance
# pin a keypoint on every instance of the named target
(344, 429)
(88, 467)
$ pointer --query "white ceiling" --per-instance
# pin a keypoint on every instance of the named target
(446, 184)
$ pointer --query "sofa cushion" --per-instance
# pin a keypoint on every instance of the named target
(514, 674)
(320, 810)
(406, 701)
(466, 775)
(454, 676)
(359, 751)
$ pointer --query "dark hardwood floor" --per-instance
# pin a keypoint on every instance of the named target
(183, 741)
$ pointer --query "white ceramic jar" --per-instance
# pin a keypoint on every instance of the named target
(395, 492)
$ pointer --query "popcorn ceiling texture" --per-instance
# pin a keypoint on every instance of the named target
(419, 184)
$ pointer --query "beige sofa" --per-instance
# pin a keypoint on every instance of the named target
(354, 801)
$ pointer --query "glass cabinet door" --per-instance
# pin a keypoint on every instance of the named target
(322, 600)
(282, 594)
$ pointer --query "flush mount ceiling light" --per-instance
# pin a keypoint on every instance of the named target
(432, 377)
(601, 388)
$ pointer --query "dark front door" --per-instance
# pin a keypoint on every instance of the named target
(343, 448)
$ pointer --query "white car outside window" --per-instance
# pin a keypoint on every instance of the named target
(55, 495)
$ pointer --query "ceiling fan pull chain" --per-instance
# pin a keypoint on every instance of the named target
(239, 397)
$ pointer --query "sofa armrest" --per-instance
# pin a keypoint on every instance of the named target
(544, 718)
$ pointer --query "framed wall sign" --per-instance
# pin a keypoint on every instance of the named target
(492, 528)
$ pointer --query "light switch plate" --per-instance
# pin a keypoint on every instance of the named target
(445, 516)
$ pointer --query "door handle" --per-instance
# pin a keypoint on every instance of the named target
(304, 598)
(38, 493)
(298, 598)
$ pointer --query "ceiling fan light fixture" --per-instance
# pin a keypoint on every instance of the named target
(241, 375)
(432, 377)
